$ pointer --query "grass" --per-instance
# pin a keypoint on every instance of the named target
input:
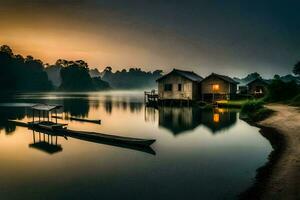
(255, 111)
(234, 103)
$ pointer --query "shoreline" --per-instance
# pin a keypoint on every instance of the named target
(279, 177)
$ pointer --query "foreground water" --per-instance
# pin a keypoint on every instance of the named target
(198, 154)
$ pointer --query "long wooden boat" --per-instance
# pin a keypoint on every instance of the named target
(95, 121)
(86, 120)
(60, 129)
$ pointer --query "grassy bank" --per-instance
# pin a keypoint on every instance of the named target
(251, 110)
(232, 103)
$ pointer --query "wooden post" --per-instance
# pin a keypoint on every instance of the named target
(33, 115)
(39, 116)
(56, 116)
(33, 134)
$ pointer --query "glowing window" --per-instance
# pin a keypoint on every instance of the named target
(216, 117)
(215, 87)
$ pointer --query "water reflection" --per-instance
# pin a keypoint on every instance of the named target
(45, 142)
(219, 119)
(179, 120)
(10, 113)
(78, 107)
(182, 119)
(100, 169)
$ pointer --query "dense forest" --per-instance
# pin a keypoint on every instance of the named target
(252, 76)
(134, 78)
(21, 74)
(74, 76)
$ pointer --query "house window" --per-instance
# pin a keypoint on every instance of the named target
(179, 87)
(258, 90)
(215, 87)
(168, 87)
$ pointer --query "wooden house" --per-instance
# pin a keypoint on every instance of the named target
(258, 87)
(179, 85)
(218, 87)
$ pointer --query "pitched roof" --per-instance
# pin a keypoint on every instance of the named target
(223, 77)
(186, 74)
(45, 107)
(259, 79)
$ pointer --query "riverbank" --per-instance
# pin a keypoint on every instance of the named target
(280, 177)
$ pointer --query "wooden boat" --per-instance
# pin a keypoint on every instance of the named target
(109, 138)
(47, 125)
(86, 120)
(62, 130)
(96, 121)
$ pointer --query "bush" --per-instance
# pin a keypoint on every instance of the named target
(295, 101)
(261, 114)
(254, 111)
(252, 106)
(282, 91)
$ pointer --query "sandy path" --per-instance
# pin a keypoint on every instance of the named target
(284, 182)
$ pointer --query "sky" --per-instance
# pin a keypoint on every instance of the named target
(227, 37)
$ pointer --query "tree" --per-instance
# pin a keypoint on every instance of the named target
(296, 69)
(19, 74)
(75, 76)
(276, 77)
(6, 49)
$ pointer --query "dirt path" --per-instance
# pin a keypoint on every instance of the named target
(284, 182)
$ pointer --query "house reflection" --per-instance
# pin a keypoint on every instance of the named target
(45, 142)
(218, 119)
(181, 119)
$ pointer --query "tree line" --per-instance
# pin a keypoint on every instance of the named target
(29, 74)
(134, 78)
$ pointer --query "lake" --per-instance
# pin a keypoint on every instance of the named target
(198, 154)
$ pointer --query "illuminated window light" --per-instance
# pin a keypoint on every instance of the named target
(216, 87)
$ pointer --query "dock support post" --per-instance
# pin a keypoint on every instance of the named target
(56, 116)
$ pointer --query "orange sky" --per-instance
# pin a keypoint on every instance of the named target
(148, 35)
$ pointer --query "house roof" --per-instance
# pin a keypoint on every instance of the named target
(223, 77)
(45, 107)
(186, 74)
(259, 79)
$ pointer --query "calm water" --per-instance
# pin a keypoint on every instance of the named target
(198, 154)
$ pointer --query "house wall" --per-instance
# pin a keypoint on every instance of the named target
(226, 90)
(187, 92)
(252, 87)
(207, 86)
